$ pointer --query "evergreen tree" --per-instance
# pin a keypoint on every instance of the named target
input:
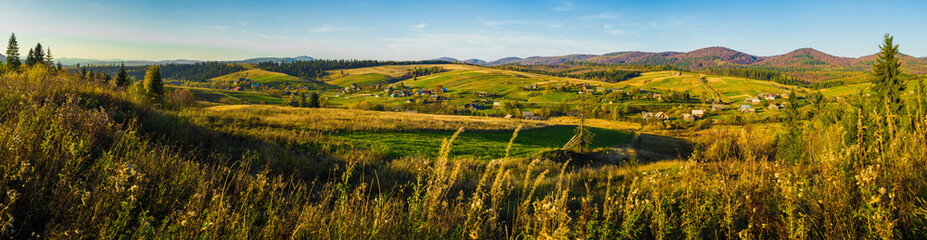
(122, 78)
(314, 101)
(48, 57)
(39, 54)
(30, 58)
(886, 80)
(12, 53)
(789, 148)
(153, 82)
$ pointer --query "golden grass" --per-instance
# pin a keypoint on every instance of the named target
(361, 120)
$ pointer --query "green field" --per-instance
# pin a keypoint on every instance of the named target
(268, 78)
(731, 89)
(366, 79)
(229, 97)
(480, 145)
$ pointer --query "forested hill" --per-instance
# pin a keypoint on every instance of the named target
(316, 69)
(189, 72)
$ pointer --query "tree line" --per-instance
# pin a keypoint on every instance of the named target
(199, 72)
(316, 69)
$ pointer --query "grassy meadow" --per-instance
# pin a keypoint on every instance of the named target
(85, 159)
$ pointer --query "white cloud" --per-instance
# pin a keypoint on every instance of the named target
(242, 24)
(517, 22)
(600, 16)
(563, 6)
(419, 26)
(322, 29)
(614, 31)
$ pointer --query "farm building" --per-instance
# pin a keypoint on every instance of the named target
(746, 109)
(717, 107)
(698, 113)
(752, 100)
(646, 115)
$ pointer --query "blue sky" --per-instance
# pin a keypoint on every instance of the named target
(406, 30)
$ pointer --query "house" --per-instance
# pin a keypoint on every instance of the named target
(254, 85)
(425, 92)
(717, 107)
(646, 115)
(444, 89)
(661, 115)
(238, 89)
(496, 104)
(752, 100)
(434, 98)
(473, 106)
(698, 113)
(746, 109)
(657, 96)
(784, 95)
(482, 94)
(410, 100)
(527, 114)
(768, 96)
(773, 106)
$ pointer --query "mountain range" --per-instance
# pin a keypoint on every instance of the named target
(84, 61)
(800, 59)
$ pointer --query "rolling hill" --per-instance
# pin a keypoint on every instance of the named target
(807, 58)
(270, 78)
(728, 89)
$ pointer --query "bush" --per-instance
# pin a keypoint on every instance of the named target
(180, 98)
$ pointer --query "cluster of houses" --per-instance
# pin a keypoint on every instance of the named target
(242, 83)
(695, 114)
(765, 96)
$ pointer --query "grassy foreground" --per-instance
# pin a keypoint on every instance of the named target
(86, 160)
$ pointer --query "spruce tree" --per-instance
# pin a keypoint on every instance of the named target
(30, 58)
(38, 54)
(314, 101)
(789, 147)
(886, 80)
(122, 77)
(153, 82)
(12, 53)
(48, 57)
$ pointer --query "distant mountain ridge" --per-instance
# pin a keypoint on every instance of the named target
(803, 58)
(275, 59)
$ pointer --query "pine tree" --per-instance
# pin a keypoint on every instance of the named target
(12, 53)
(122, 77)
(314, 101)
(153, 82)
(886, 80)
(39, 55)
(48, 57)
(789, 148)
(30, 58)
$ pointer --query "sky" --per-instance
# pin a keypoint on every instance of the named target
(417, 30)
